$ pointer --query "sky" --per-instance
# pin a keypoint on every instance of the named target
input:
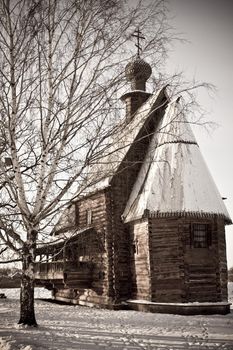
(208, 56)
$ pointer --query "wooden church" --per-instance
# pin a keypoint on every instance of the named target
(150, 234)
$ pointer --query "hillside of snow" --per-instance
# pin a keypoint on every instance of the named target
(68, 327)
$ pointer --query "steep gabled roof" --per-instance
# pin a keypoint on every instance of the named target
(101, 173)
(174, 178)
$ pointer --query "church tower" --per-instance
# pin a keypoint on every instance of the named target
(137, 72)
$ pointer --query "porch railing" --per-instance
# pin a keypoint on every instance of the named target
(61, 270)
(49, 270)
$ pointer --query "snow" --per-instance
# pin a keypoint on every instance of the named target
(194, 303)
(75, 327)
(174, 177)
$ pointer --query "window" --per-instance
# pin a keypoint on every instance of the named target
(8, 161)
(89, 217)
(200, 236)
(135, 247)
(76, 214)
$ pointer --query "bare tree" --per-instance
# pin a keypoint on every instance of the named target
(61, 73)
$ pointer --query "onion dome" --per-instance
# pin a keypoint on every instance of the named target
(138, 72)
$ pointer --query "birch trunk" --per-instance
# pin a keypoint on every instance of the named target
(27, 311)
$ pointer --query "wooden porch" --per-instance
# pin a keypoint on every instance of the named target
(65, 274)
(60, 263)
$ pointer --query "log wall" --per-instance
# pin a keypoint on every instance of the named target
(222, 260)
(205, 267)
(121, 188)
(140, 261)
(167, 260)
(180, 272)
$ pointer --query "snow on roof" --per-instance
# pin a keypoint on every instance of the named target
(174, 177)
(101, 173)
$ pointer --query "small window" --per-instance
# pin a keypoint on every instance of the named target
(76, 214)
(89, 216)
(201, 236)
(135, 247)
(8, 161)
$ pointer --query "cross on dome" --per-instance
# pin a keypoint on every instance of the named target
(138, 34)
(138, 71)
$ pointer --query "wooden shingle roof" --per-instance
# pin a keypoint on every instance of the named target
(174, 178)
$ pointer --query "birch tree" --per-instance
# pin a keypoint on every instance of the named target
(61, 74)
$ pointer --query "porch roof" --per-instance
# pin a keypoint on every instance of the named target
(60, 240)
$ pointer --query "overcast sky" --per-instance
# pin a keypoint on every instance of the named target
(208, 25)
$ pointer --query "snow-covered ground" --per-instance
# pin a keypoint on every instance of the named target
(67, 327)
